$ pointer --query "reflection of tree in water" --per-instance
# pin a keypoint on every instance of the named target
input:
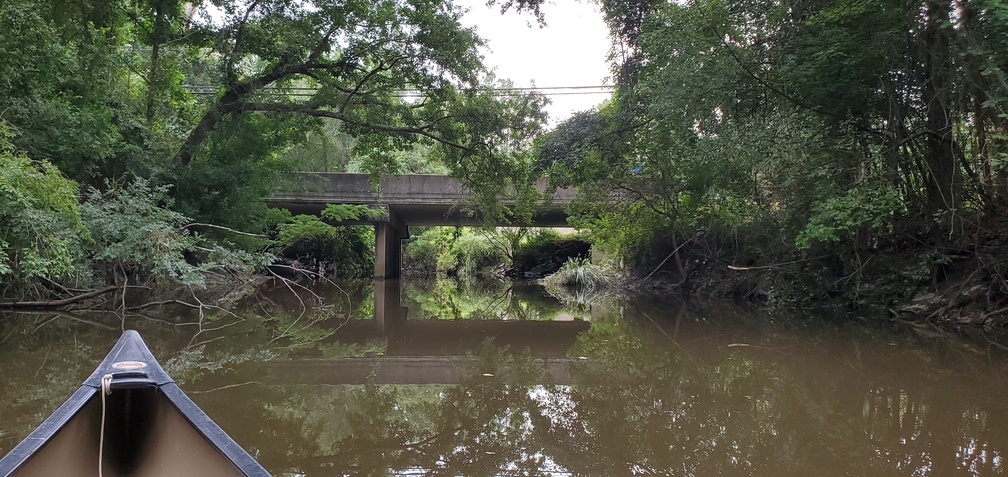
(45, 356)
(852, 405)
(645, 408)
(351, 299)
(936, 433)
(479, 427)
(449, 299)
(40, 370)
(640, 409)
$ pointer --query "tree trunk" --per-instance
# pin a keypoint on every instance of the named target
(19, 305)
(152, 81)
(231, 102)
(945, 178)
(198, 136)
(988, 126)
(158, 36)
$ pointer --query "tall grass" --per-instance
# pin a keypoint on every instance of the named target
(577, 273)
(579, 284)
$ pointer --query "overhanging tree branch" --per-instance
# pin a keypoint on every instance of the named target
(371, 74)
(778, 91)
(296, 108)
(232, 76)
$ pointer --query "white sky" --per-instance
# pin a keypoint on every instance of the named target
(569, 51)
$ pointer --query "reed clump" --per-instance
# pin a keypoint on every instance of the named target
(579, 284)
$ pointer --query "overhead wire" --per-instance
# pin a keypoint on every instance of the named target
(307, 92)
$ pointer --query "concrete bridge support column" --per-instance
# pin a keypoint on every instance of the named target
(389, 236)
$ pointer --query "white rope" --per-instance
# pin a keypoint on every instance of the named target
(106, 389)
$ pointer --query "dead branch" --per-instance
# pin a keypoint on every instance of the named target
(183, 303)
(775, 265)
(991, 314)
(304, 308)
(668, 257)
(162, 302)
(18, 305)
(317, 276)
(222, 388)
(219, 227)
(70, 316)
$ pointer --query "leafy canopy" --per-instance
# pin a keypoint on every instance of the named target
(804, 121)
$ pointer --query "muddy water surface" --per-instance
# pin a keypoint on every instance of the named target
(443, 378)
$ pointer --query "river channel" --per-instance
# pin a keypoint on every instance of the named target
(487, 379)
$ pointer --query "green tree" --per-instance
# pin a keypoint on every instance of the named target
(40, 223)
(208, 104)
(362, 64)
(65, 92)
(139, 238)
(348, 250)
(506, 240)
(788, 117)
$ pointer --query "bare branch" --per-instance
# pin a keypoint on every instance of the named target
(220, 227)
(58, 303)
(239, 35)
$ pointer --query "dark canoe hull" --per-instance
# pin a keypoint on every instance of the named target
(151, 428)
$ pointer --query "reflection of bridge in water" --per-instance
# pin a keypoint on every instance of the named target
(429, 351)
(394, 370)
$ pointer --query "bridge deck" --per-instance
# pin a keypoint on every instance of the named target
(414, 199)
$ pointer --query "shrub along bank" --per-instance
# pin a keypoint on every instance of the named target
(914, 272)
(510, 253)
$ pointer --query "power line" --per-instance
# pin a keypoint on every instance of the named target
(514, 88)
(307, 92)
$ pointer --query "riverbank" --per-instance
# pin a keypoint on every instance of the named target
(917, 271)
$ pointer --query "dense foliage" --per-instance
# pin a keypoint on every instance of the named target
(204, 105)
(791, 125)
(462, 252)
(40, 221)
(344, 251)
(521, 253)
(823, 116)
(798, 127)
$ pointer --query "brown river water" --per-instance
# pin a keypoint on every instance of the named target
(486, 379)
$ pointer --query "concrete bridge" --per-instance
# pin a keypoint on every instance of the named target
(412, 199)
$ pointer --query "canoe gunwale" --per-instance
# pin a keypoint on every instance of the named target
(212, 432)
(28, 447)
(131, 349)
